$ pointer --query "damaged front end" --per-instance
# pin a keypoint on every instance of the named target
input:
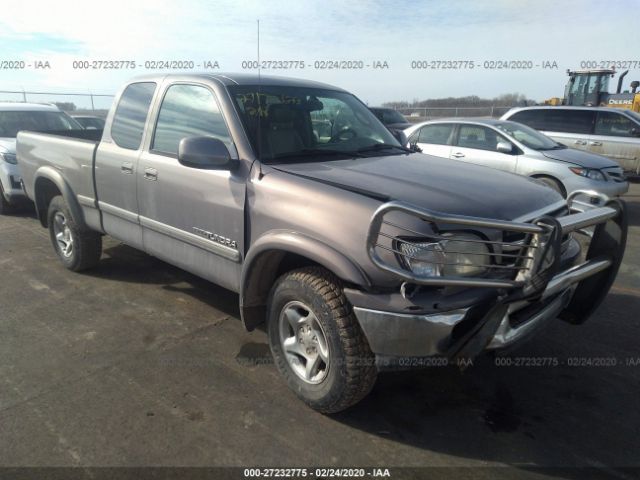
(471, 284)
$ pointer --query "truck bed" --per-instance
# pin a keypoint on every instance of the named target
(69, 152)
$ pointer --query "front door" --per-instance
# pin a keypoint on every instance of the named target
(478, 144)
(191, 217)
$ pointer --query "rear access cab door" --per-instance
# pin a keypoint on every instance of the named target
(434, 139)
(615, 135)
(116, 163)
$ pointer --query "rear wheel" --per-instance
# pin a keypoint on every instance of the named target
(316, 341)
(77, 249)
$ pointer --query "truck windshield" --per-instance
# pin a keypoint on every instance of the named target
(528, 136)
(287, 123)
(11, 122)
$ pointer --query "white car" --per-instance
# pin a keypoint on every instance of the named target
(23, 116)
(612, 132)
(516, 148)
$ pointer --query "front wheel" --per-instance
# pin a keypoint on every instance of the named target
(554, 184)
(77, 249)
(316, 341)
(5, 207)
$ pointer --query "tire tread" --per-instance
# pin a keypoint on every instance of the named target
(360, 372)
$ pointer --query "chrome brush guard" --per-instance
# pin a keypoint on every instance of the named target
(513, 264)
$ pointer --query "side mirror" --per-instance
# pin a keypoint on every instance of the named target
(400, 136)
(505, 147)
(204, 152)
(635, 132)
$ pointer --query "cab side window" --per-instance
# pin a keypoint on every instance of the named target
(436, 134)
(187, 111)
(481, 138)
(614, 124)
(131, 114)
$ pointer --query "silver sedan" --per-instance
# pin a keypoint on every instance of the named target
(516, 148)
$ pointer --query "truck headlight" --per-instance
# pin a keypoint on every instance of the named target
(9, 158)
(462, 254)
(590, 173)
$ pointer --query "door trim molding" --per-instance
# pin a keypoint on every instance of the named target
(118, 212)
(192, 239)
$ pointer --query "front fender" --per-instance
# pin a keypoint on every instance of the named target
(264, 257)
(43, 178)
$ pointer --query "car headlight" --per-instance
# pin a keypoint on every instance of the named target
(9, 158)
(460, 255)
(589, 173)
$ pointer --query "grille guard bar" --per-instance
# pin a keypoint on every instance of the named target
(536, 230)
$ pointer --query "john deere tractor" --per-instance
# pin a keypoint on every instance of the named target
(591, 88)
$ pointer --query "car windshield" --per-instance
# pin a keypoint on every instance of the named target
(307, 124)
(90, 122)
(634, 115)
(528, 136)
(11, 122)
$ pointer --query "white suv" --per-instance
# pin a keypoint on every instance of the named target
(23, 116)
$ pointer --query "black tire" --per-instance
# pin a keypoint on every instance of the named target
(86, 245)
(351, 373)
(554, 184)
(5, 207)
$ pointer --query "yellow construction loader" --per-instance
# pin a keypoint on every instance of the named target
(591, 88)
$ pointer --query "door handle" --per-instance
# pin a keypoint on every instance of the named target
(580, 142)
(127, 167)
(151, 174)
(457, 155)
(596, 144)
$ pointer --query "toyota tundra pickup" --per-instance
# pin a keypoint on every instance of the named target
(359, 254)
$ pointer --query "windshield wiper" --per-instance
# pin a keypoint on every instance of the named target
(316, 152)
(383, 146)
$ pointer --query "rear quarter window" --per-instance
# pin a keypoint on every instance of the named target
(131, 114)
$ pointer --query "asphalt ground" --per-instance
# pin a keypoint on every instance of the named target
(137, 363)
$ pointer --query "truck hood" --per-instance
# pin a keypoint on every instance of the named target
(434, 183)
(579, 157)
(7, 145)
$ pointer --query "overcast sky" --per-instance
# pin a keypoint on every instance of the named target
(398, 32)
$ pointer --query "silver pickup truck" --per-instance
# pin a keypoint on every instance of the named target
(359, 254)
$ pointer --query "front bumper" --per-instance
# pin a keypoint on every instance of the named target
(505, 318)
(11, 182)
(421, 335)
(610, 189)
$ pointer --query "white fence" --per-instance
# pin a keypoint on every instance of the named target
(422, 113)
